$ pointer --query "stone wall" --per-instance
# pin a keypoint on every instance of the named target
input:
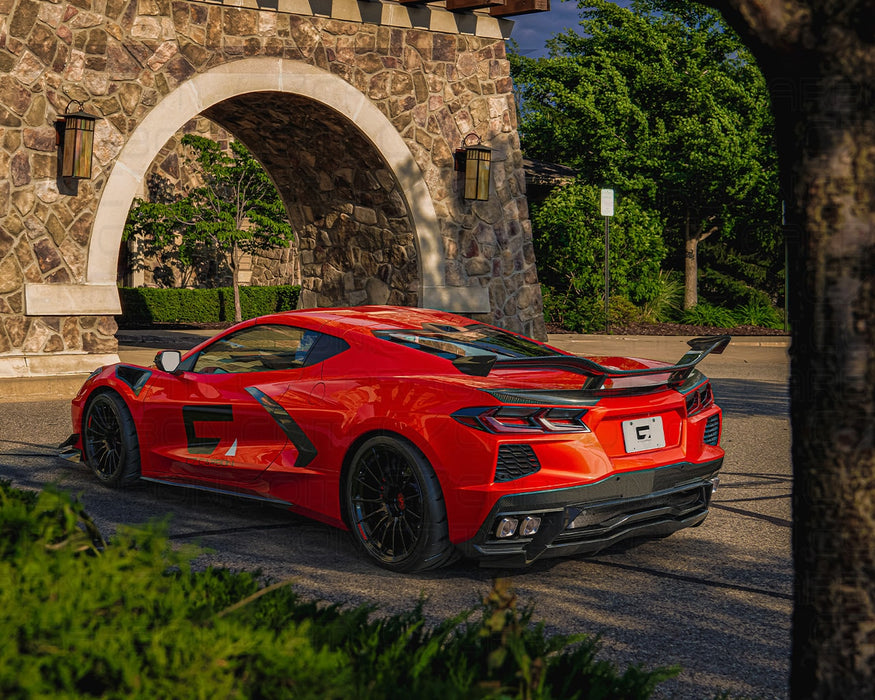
(354, 230)
(361, 240)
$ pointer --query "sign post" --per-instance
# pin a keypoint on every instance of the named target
(607, 210)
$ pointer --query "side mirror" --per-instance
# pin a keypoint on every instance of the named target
(168, 360)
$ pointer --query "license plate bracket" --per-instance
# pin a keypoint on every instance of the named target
(641, 434)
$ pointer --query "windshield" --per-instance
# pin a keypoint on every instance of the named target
(452, 342)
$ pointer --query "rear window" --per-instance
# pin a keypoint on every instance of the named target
(451, 342)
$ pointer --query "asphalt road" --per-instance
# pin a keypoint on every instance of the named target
(715, 600)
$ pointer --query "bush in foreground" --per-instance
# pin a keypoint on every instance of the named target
(130, 619)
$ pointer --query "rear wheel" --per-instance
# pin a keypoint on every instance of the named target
(395, 506)
(109, 440)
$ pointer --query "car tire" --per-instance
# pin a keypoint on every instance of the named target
(395, 506)
(109, 441)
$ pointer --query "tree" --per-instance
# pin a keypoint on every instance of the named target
(235, 210)
(171, 259)
(661, 101)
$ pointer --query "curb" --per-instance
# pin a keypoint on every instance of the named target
(57, 388)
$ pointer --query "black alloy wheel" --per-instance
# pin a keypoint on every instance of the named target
(109, 441)
(395, 506)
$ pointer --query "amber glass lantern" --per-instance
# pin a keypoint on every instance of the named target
(475, 161)
(77, 142)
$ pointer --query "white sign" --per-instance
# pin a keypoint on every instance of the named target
(607, 202)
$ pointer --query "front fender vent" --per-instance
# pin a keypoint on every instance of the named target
(134, 377)
(515, 462)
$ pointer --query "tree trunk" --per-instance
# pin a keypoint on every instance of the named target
(832, 403)
(235, 282)
(819, 60)
(691, 267)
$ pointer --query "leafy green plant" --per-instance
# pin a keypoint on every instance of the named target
(704, 314)
(728, 291)
(665, 304)
(758, 314)
(83, 618)
(623, 311)
(571, 312)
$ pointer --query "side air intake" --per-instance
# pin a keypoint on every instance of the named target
(712, 431)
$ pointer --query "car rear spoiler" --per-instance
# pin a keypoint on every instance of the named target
(700, 348)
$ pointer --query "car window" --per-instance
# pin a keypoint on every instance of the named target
(262, 348)
(452, 342)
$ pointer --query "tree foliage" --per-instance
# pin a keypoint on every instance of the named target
(235, 209)
(661, 101)
(569, 239)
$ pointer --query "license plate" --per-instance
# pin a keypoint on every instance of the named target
(643, 434)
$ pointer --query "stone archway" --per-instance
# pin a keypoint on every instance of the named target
(406, 85)
(198, 95)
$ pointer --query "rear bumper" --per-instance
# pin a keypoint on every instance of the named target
(586, 519)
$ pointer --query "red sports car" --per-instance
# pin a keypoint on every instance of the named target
(426, 434)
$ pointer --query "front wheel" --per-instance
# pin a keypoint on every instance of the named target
(109, 440)
(395, 506)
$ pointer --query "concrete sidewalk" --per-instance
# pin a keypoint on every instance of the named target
(136, 347)
(139, 347)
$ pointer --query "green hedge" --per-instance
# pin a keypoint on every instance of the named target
(83, 618)
(146, 306)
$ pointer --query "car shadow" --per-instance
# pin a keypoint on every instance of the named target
(751, 398)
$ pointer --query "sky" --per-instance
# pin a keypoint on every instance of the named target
(531, 31)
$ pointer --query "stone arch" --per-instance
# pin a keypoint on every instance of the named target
(247, 76)
(404, 85)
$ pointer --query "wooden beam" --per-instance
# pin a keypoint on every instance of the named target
(459, 5)
(520, 7)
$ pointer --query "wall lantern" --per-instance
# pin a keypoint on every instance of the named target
(475, 161)
(76, 139)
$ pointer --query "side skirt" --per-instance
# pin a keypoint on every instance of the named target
(221, 492)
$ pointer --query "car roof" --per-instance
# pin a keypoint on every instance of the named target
(369, 318)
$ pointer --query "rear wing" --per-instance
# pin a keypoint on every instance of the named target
(597, 375)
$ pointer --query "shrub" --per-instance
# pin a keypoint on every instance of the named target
(571, 312)
(665, 304)
(83, 619)
(569, 240)
(704, 314)
(758, 314)
(145, 305)
(622, 311)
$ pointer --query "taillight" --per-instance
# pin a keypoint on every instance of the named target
(523, 419)
(699, 399)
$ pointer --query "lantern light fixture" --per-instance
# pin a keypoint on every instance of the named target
(77, 142)
(475, 161)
